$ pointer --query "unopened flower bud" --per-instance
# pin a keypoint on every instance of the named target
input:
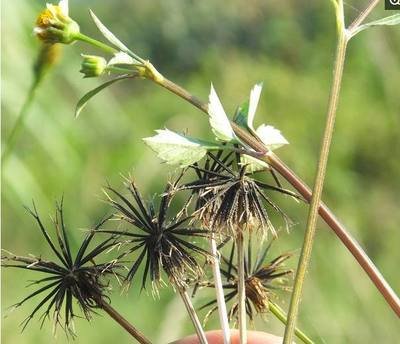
(55, 26)
(93, 66)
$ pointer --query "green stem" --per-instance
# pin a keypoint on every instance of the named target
(96, 43)
(19, 124)
(281, 316)
(309, 235)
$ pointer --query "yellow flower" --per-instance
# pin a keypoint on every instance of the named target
(55, 26)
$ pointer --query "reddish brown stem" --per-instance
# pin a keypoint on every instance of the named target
(352, 245)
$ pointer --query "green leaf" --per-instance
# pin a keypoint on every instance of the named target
(108, 34)
(391, 20)
(84, 100)
(178, 149)
(219, 122)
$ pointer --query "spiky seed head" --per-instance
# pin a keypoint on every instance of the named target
(67, 277)
(162, 242)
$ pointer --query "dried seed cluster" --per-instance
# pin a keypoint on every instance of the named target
(230, 200)
(261, 280)
(163, 243)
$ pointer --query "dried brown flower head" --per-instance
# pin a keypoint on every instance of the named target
(260, 282)
(162, 244)
(230, 199)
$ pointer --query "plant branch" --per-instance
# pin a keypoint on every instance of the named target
(305, 254)
(326, 214)
(123, 322)
(219, 290)
(182, 93)
(106, 48)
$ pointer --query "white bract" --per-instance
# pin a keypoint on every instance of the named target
(121, 58)
(63, 4)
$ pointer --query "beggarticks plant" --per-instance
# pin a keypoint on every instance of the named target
(227, 202)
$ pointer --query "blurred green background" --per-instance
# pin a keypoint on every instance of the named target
(287, 45)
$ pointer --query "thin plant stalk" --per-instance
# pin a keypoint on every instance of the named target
(193, 315)
(19, 124)
(219, 290)
(106, 48)
(47, 57)
(305, 254)
(241, 291)
(281, 316)
(135, 333)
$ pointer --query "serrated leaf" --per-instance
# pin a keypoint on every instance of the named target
(219, 122)
(391, 20)
(108, 34)
(271, 137)
(85, 99)
(178, 149)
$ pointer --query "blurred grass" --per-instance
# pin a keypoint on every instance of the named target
(287, 45)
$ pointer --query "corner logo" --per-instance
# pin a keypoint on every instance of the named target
(392, 4)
